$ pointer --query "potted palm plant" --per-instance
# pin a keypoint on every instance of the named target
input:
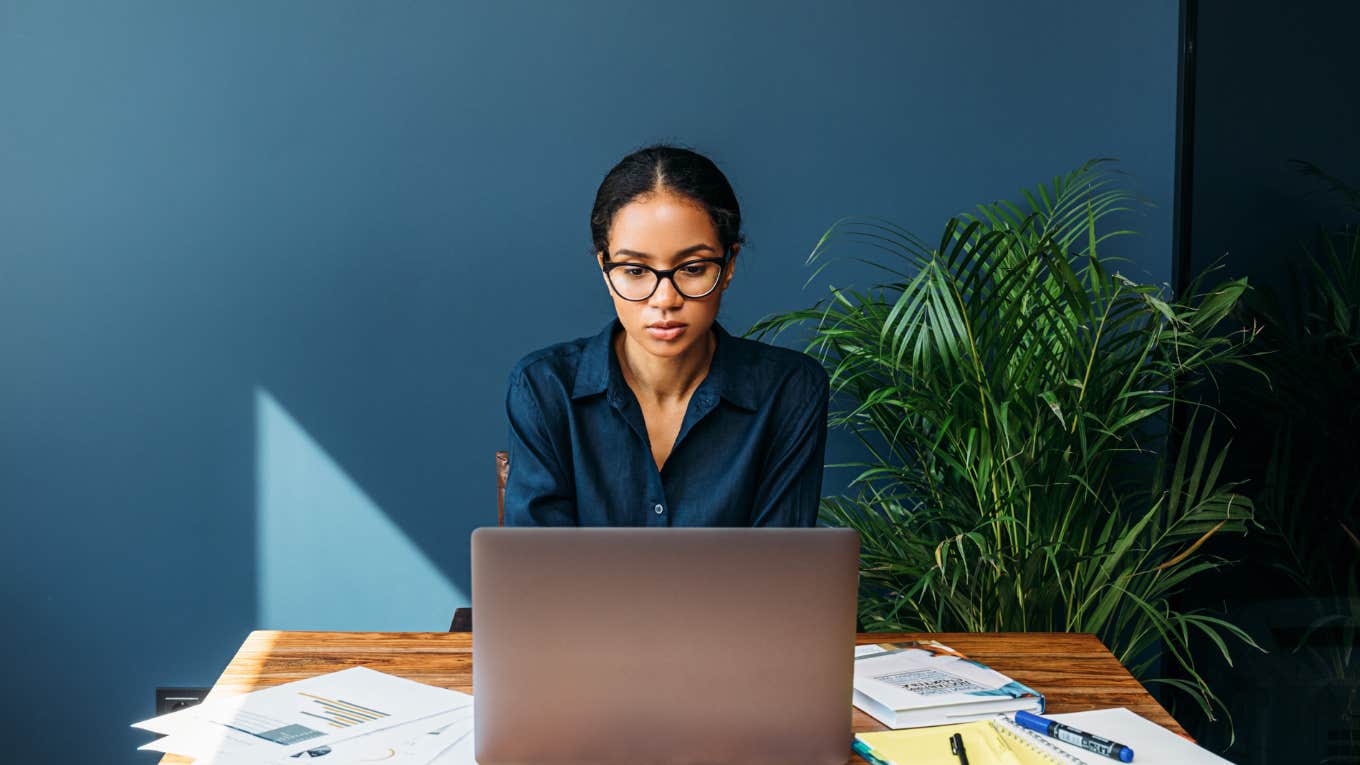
(1012, 392)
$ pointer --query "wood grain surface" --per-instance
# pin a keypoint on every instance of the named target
(1075, 672)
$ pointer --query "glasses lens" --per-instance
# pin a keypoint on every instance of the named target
(697, 279)
(632, 282)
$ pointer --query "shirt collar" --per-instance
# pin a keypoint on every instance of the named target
(730, 375)
(592, 371)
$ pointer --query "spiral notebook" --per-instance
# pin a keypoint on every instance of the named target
(999, 741)
(995, 741)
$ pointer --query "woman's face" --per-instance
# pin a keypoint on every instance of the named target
(663, 230)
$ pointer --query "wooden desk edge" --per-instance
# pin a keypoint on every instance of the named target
(316, 652)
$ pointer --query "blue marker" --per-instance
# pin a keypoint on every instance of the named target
(1070, 735)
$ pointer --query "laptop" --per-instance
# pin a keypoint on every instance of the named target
(667, 645)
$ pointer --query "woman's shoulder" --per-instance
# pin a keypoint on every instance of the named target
(555, 358)
(773, 364)
(558, 363)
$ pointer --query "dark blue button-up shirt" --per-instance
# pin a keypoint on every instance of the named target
(749, 452)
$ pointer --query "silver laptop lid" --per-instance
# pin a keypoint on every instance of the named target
(639, 645)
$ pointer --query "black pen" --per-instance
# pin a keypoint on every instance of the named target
(956, 747)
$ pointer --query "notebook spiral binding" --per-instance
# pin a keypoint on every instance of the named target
(1032, 741)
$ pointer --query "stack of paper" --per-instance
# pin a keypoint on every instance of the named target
(355, 715)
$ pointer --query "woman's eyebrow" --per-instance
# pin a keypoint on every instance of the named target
(645, 256)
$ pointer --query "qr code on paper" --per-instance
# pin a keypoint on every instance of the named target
(930, 682)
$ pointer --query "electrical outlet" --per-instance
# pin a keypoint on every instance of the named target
(171, 699)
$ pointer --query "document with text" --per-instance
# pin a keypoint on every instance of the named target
(302, 717)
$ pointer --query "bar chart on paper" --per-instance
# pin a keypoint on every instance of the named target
(340, 713)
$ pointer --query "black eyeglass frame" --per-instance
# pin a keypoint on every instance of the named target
(669, 274)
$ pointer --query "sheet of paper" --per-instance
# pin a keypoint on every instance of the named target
(417, 743)
(414, 743)
(461, 751)
(202, 741)
(1151, 743)
(301, 716)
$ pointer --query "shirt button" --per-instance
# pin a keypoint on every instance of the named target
(659, 509)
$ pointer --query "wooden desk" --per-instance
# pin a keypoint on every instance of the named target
(1075, 672)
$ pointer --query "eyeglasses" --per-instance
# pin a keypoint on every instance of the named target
(693, 279)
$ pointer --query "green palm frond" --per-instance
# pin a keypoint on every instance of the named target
(1012, 391)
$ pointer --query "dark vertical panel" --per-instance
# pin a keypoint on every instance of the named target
(1273, 81)
(1183, 217)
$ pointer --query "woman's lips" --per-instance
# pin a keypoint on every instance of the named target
(666, 330)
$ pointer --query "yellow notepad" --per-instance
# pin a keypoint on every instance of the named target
(989, 742)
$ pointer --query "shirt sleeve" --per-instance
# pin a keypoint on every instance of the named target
(538, 490)
(791, 483)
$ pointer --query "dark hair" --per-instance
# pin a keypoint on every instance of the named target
(662, 167)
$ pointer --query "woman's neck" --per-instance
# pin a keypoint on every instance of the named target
(664, 379)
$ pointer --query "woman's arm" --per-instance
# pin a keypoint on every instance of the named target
(539, 490)
(791, 482)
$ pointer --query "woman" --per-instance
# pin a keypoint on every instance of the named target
(663, 418)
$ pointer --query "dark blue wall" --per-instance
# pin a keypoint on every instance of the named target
(264, 267)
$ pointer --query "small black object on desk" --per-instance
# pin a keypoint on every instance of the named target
(956, 747)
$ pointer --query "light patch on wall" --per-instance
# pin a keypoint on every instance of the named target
(329, 557)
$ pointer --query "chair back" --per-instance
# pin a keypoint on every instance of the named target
(502, 472)
(462, 617)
